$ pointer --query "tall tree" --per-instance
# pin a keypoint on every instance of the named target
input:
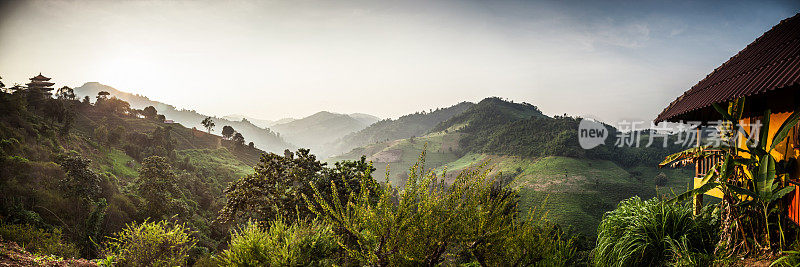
(238, 139)
(208, 124)
(65, 93)
(277, 186)
(150, 113)
(102, 95)
(114, 106)
(80, 181)
(157, 185)
(227, 132)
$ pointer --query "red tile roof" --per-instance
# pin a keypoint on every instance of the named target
(770, 62)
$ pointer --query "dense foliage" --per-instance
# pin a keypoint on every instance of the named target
(39, 241)
(276, 187)
(150, 244)
(752, 181)
(157, 185)
(646, 233)
(303, 243)
(99, 171)
(430, 223)
(91, 168)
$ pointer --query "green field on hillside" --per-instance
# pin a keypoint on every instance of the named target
(440, 149)
(574, 192)
(219, 158)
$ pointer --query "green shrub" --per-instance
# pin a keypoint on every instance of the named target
(39, 241)
(150, 244)
(428, 222)
(299, 244)
(645, 233)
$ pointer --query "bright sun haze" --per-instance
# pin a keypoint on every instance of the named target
(388, 58)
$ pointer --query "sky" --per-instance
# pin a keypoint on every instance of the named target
(609, 60)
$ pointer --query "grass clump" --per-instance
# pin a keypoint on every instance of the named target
(39, 241)
(304, 243)
(150, 244)
(652, 232)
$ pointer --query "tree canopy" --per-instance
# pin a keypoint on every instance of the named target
(227, 131)
(208, 123)
(280, 181)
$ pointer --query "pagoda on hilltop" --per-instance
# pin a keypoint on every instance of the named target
(41, 85)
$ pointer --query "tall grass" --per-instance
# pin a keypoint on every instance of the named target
(651, 233)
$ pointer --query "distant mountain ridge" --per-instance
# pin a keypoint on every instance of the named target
(416, 124)
(365, 118)
(320, 129)
(257, 122)
(262, 137)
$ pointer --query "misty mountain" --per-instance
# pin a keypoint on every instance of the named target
(258, 122)
(364, 118)
(319, 130)
(262, 137)
(416, 124)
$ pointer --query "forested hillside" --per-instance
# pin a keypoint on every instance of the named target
(538, 155)
(118, 185)
(416, 124)
(87, 169)
(262, 137)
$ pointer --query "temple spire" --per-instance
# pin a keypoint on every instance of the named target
(40, 86)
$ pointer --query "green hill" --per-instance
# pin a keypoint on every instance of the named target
(537, 154)
(320, 129)
(264, 138)
(41, 140)
(487, 113)
(411, 125)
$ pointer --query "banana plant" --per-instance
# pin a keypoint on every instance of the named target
(762, 186)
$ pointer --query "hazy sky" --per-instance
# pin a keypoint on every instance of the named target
(272, 59)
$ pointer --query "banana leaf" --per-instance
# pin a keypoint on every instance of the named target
(710, 174)
(722, 111)
(741, 191)
(765, 177)
(690, 193)
(694, 152)
(780, 193)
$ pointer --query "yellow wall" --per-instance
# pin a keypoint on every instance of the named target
(786, 148)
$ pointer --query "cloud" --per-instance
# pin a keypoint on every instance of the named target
(610, 33)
